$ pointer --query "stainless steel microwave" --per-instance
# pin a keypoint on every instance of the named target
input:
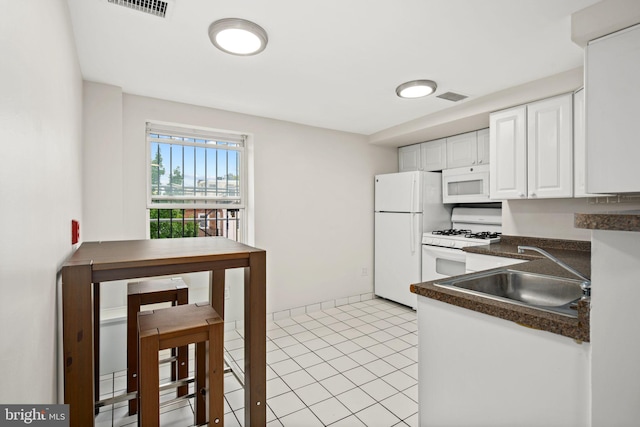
(469, 184)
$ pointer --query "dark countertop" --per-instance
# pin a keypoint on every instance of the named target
(575, 253)
(615, 221)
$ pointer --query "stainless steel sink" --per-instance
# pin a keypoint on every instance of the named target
(548, 293)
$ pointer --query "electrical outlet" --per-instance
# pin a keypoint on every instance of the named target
(226, 293)
(364, 272)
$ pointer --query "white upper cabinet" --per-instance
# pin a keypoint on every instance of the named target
(579, 142)
(434, 155)
(612, 92)
(550, 147)
(483, 146)
(508, 165)
(532, 150)
(409, 158)
(462, 150)
(468, 149)
(580, 148)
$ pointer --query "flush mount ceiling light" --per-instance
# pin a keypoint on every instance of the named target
(238, 36)
(416, 89)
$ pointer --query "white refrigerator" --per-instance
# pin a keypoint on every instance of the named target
(406, 205)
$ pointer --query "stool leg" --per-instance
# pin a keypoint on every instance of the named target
(183, 369)
(149, 382)
(182, 365)
(96, 344)
(133, 307)
(216, 375)
(200, 386)
(174, 365)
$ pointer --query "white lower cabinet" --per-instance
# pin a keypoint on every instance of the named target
(615, 322)
(475, 369)
(478, 262)
(532, 150)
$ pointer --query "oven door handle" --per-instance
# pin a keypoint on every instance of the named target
(448, 253)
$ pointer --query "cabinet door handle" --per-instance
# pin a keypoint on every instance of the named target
(532, 195)
(479, 161)
(521, 195)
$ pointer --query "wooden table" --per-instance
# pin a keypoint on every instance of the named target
(97, 262)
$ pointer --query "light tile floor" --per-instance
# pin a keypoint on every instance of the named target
(352, 365)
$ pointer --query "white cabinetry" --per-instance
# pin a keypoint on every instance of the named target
(579, 142)
(550, 147)
(478, 262)
(427, 156)
(476, 369)
(532, 150)
(468, 149)
(483, 146)
(462, 150)
(612, 111)
(615, 256)
(409, 158)
(508, 165)
(434, 155)
(580, 148)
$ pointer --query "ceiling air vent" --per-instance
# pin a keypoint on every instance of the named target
(152, 7)
(450, 96)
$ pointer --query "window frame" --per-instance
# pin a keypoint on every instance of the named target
(188, 131)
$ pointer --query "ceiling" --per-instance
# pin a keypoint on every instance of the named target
(333, 63)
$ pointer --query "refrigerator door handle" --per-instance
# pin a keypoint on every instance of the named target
(412, 237)
(413, 195)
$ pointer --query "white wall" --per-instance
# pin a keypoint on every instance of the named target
(615, 320)
(313, 194)
(102, 161)
(40, 134)
(552, 218)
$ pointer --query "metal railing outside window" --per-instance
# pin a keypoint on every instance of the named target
(195, 182)
(175, 223)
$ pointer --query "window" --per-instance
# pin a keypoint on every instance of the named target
(196, 182)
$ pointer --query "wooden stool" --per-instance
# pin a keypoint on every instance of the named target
(175, 327)
(174, 291)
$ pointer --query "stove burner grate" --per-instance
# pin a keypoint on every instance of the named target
(483, 235)
(451, 232)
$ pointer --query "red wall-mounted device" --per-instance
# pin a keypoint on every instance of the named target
(75, 231)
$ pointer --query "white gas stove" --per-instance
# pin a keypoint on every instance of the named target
(457, 238)
(442, 254)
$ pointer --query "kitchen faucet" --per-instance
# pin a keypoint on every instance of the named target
(586, 283)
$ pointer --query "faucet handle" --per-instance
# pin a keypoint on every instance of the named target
(586, 288)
